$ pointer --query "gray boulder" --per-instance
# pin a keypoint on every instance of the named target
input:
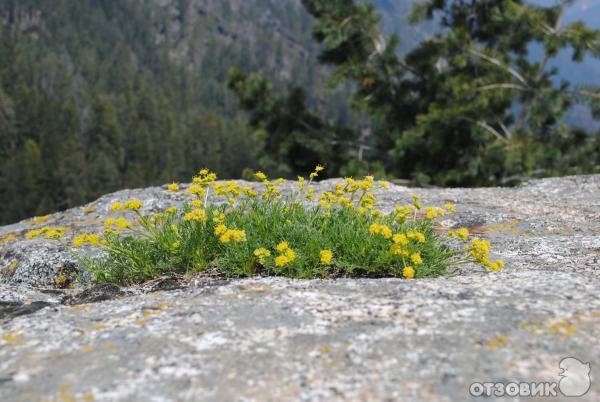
(320, 340)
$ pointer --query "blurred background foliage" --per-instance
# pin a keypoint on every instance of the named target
(97, 95)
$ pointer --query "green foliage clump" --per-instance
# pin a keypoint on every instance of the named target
(265, 233)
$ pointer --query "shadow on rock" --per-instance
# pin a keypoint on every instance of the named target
(97, 293)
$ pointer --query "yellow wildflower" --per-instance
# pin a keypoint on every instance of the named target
(116, 206)
(204, 179)
(417, 204)
(326, 256)
(383, 230)
(233, 234)
(171, 210)
(286, 255)
(430, 213)
(173, 187)
(218, 217)
(262, 254)
(198, 215)
(496, 266)
(290, 254)
(480, 247)
(384, 184)
(133, 205)
(260, 175)
(123, 223)
(86, 238)
(416, 258)
(196, 190)
(450, 207)
(249, 192)
(318, 169)
(281, 247)
(397, 249)
(416, 235)
(463, 233)
(408, 272)
(400, 238)
(220, 229)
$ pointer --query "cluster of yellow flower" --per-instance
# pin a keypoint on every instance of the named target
(196, 214)
(345, 194)
(286, 254)
(408, 272)
(480, 250)
(462, 233)
(318, 169)
(114, 226)
(48, 232)
(262, 254)
(383, 230)
(132, 205)
(400, 243)
(416, 235)
(402, 212)
(86, 238)
(199, 183)
(354, 194)
(205, 178)
(232, 190)
(433, 212)
(271, 189)
(226, 235)
(326, 256)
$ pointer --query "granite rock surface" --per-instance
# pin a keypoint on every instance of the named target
(321, 340)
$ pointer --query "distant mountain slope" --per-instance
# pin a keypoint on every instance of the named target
(97, 95)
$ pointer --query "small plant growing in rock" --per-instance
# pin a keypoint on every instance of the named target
(259, 231)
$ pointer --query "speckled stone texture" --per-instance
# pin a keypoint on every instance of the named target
(274, 339)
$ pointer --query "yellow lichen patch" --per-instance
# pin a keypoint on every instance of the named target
(98, 326)
(150, 313)
(13, 337)
(110, 346)
(561, 328)
(140, 322)
(505, 228)
(325, 349)
(66, 395)
(498, 342)
(7, 239)
(38, 220)
(61, 281)
(88, 348)
(535, 327)
(254, 288)
(78, 307)
(13, 265)
(89, 209)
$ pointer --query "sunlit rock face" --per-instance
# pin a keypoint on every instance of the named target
(318, 340)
